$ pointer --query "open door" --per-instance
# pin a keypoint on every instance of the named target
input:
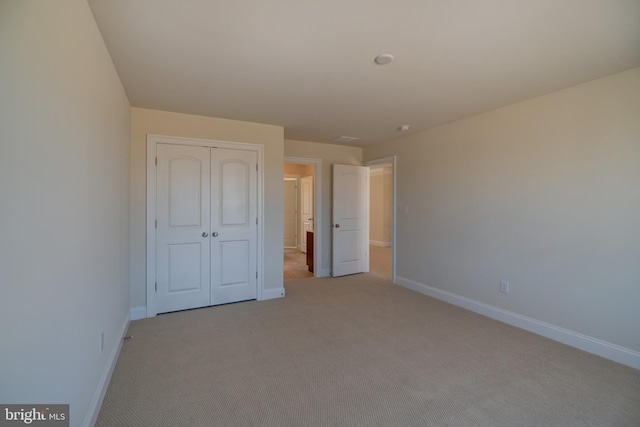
(350, 220)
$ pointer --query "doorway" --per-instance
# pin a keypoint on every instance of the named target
(295, 258)
(302, 177)
(382, 217)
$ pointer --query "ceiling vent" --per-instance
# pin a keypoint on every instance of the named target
(345, 139)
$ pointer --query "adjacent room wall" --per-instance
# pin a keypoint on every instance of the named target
(380, 201)
(144, 121)
(387, 205)
(330, 154)
(376, 213)
(64, 180)
(544, 194)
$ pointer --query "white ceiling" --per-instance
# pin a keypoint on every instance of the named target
(309, 65)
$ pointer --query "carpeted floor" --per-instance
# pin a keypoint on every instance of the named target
(358, 351)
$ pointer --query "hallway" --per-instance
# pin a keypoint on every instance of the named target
(295, 265)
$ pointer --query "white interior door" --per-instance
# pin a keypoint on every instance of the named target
(183, 225)
(206, 235)
(306, 209)
(350, 220)
(234, 225)
(290, 212)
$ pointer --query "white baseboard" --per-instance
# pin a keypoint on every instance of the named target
(272, 293)
(138, 313)
(324, 272)
(589, 344)
(96, 403)
(378, 243)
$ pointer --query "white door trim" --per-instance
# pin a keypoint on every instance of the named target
(317, 206)
(152, 142)
(392, 160)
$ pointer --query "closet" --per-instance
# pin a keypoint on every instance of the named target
(205, 226)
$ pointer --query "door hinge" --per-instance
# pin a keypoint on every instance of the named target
(256, 274)
(156, 223)
(156, 161)
(256, 220)
(256, 167)
(156, 286)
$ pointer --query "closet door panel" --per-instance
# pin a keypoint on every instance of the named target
(234, 224)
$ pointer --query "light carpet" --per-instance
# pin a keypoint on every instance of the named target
(295, 265)
(358, 351)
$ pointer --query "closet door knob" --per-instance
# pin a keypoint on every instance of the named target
(214, 234)
(205, 234)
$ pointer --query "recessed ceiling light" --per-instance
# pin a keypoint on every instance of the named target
(383, 59)
(345, 139)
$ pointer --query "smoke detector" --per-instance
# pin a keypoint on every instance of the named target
(404, 128)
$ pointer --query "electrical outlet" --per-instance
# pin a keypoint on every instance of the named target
(504, 287)
(101, 342)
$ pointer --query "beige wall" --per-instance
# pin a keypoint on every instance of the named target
(544, 194)
(64, 180)
(145, 121)
(329, 154)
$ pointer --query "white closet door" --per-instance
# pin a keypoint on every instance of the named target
(182, 241)
(233, 225)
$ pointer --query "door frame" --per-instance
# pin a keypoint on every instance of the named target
(390, 160)
(152, 143)
(317, 207)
